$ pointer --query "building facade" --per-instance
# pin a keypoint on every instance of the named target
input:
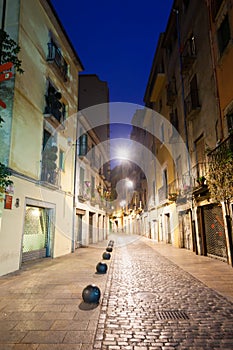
(93, 155)
(187, 87)
(37, 210)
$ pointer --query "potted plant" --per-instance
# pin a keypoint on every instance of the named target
(201, 180)
(172, 196)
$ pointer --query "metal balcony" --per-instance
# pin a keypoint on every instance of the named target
(223, 151)
(55, 56)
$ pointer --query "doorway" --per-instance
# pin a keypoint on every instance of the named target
(37, 235)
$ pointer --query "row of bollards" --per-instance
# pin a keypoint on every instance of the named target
(91, 293)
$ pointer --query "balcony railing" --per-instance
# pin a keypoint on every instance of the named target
(163, 193)
(188, 54)
(54, 110)
(50, 176)
(171, 93)
(199, 171)
(222, 151)
(55, 55)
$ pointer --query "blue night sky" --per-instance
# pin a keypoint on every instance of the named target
(116, 40)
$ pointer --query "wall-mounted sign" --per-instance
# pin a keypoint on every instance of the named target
(8, 201)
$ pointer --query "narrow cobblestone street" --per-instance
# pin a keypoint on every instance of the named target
(150, 300)
(150, 303)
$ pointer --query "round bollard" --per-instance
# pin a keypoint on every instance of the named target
(106, 256)
(91, 294)
(109, 249)
(111, 242)
(101, 267)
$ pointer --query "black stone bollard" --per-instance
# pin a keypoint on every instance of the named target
(106, 256)
(109, 249)
(91, 294)
(101, 267)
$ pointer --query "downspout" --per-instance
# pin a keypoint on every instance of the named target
(75, 187)
(182, 88)
(214, 72)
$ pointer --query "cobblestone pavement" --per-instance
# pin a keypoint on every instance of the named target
(150, 303)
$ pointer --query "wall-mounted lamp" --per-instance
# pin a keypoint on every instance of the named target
(17, 202)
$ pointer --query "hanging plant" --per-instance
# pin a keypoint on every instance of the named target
(9, 50)
(220, 178)
(4, 178)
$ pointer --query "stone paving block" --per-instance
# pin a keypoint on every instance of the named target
(33, 325)
(76, 337)
(48, 307)
(58, 315)
(19, 346)
(19, 316)
(60, 347)
(7, 325)
(44, 337)
(11, 336)
(69, 325)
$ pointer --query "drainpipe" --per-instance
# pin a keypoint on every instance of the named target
(75, 187)
(182, 87)
(214, 73)
(3, 25)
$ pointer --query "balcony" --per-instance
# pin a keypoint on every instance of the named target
(163, 193)
(192, 104)
(199, 172)
(180, 189)
(50, 177)
(55, 56)
(171, 93)
(157, 82)
(55, 111)
(188, 55)
(223, 151)
(84, 192)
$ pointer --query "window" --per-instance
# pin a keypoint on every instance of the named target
(174, 119)
(223, 35)
(93, 162)
(54, 106)
(154, 190)
(162, 139)
(61, 160)
(185, 5)
(49, 159)
(230, 122)
(55, 55)
(92, 186)
(81, 181)
(165, 182)
(65, 110)
(192, 99)
(83, 145)
(215, 7)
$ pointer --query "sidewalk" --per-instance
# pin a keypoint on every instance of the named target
(213, 273)
(41, 306)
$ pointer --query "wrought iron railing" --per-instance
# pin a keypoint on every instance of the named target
(50, 176)
(223, 151)
(163, 193)
(55, 55)
(188, 54)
